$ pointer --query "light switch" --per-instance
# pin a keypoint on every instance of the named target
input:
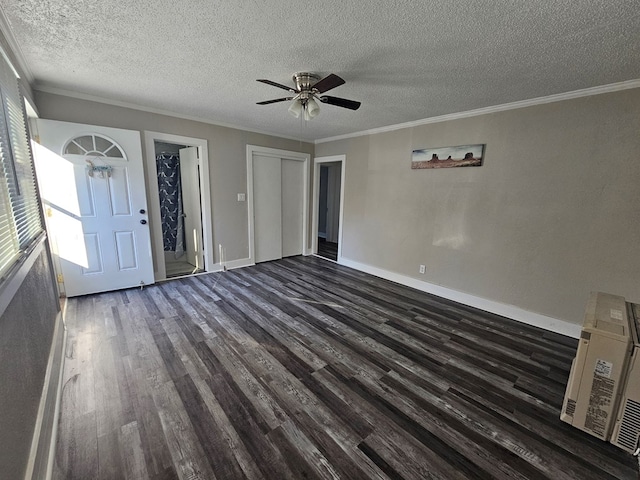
(242, 197)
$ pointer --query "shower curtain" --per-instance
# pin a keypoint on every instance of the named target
(170, 188)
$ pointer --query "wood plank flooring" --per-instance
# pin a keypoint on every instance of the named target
(303, 369)
(327, 249)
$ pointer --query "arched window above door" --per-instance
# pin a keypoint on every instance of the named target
(93, 145)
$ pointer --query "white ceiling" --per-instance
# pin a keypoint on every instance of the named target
(404, 60)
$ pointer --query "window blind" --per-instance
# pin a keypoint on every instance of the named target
(20, 218)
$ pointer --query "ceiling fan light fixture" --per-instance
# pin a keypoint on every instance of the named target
(312, 108)
(309, 93)
(296, 108)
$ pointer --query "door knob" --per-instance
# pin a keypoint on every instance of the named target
(143, 222)
(143, 211)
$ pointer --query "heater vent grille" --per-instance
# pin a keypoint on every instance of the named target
(630, 426)
(571, 407)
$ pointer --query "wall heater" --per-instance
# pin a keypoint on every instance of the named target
(603, 391)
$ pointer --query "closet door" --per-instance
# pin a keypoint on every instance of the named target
(267, 208)
(292, 207)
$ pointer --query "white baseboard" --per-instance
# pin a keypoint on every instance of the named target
(510, 311)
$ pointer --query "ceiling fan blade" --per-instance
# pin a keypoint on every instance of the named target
(340, 102)
(267, 102)
(328, 82)
(279, 85)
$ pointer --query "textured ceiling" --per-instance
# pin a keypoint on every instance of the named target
(404, 60)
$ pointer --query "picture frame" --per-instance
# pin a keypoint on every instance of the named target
(448, 157)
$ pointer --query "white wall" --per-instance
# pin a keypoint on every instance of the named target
(552, 214)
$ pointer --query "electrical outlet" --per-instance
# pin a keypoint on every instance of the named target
(422, 269)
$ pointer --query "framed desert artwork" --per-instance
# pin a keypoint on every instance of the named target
(447, 157)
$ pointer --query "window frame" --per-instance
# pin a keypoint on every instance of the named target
(23, 232)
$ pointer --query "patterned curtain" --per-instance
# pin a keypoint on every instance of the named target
(168, 165)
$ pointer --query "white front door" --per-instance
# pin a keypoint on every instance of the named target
(190, 182)
(92, 186)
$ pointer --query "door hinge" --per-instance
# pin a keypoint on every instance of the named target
(49, 213)
(60, 278)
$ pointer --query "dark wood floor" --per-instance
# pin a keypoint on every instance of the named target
(327, 249)
(303, 369)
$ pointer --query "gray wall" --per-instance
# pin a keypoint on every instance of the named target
(26, 332)
(227, 156)
(552, 214)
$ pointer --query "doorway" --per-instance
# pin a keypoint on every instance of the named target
(180, 208)
(179, 204)
(328, 206)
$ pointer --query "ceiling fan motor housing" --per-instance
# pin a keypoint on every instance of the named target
(304, 81)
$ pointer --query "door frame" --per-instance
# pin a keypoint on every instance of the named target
(317, 162)
(154, 195)
(289, 155)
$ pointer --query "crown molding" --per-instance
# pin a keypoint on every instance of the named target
(586, 92)
(157, 111)
(14, 46)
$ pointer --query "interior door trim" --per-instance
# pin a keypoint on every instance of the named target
(154, 206)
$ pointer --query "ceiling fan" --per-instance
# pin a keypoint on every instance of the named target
(308, 89)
